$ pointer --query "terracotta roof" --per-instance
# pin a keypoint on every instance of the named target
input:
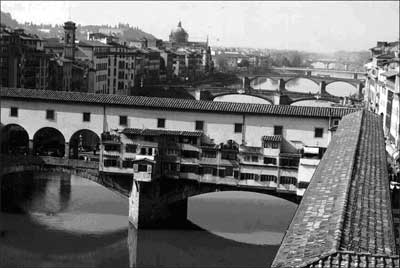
(174, 104)
(277, 138)
(344, 218)
(161, 132)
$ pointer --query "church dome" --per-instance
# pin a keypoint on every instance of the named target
(178, 35)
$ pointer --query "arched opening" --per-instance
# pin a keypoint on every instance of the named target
(243, 98)
(341, 89)
(14, 140)
(84, 144)
(313, 103)
(246, 217)
(303, 85)
(264, 83)
(49, 141)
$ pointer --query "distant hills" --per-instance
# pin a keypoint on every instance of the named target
(50, 31)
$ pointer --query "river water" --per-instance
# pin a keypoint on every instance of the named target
(59, 220)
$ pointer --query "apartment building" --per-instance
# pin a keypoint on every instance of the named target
(382, 92)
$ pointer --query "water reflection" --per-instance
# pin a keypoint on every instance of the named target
(303, 85)
(264, 83)
(341, 89)
(55, 219)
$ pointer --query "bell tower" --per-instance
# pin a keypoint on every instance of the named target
(69, 40)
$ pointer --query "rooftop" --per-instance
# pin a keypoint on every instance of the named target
(345, 214)
(173, 104)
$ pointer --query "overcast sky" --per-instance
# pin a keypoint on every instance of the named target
(311, 26)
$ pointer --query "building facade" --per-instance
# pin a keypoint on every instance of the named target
(382, 93)
(23, 61)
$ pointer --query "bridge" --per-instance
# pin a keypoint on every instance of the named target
(327, 63)
(344, 215)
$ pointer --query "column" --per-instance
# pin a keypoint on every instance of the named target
(30, 147)
(359, 89)
(134, 205)
(66, 153)
(281, 84)
(322, 88)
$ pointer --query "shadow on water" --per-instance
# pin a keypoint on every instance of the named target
(27, 241)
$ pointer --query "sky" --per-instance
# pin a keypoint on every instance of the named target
(324, 26)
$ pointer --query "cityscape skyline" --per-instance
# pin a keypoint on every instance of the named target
(307, 26)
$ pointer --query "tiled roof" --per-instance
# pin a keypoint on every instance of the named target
(277, 138)
(174, 104)
(161, 132)
(344, 219)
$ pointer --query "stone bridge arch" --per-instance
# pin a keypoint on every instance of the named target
(250, 97)
(314, 87)
(14, 139)
(163, 203)
(49, 141)
(83, 141)
(347, 88)
(328, 101)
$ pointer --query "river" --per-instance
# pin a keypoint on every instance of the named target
(59, 220)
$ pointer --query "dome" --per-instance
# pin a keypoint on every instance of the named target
(178, 35)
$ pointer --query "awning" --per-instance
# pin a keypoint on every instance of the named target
(311, 150)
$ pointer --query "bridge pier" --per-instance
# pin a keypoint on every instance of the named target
(359, 89)
(322, 88)
(281, 84)
(156, 205)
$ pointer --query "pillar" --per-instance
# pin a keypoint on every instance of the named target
(322, 88)
(132, 245)
(277, 98)
(359, 89)
(66, 153)
(197, 94)
(281, 84)
(245, 82)
(134, 205)
(159, 204)
(30, 147)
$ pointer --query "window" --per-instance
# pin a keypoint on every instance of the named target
(278, 130)
(150, 151)
(269, 161)
(86, 117)
(254, 159)
(288, 180)
(161, 122)
(127, 164)
(123, 120)
(289, 162)
(14, 112)
(131, 148)
(143, 151)
(199, 125)
(142, 168)
(335, 122)
(50, 114)
(268, 178)
(318, 132)
(238, 128)
(209, 154)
